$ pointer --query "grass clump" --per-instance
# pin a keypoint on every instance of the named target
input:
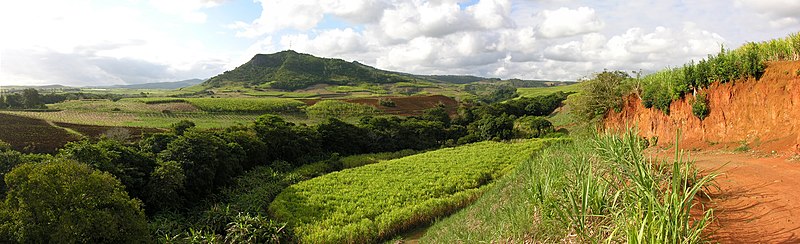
(376, 201)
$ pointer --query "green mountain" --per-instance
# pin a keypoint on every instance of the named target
(289, 70)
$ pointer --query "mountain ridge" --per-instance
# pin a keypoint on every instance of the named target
(290, 70)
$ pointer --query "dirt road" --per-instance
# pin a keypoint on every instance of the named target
(758, 200)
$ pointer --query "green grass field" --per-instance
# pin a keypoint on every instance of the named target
(543, 91)
(376, 201)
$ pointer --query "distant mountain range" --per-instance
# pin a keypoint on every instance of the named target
(160, 85)
(290, 70)
(154, 85)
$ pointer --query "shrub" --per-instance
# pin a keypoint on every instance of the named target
(386, 102)
(700, 106)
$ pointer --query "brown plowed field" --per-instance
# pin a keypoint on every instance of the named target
(406, 106)
(96, 131)
(32, 135)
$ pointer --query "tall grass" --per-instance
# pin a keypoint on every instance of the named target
(597, 190)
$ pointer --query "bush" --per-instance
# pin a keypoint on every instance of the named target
(700, 106)
(386, 102)
(91, 206)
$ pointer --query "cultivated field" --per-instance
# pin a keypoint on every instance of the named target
(375, 201)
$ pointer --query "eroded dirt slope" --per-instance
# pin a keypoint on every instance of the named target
(764, 114)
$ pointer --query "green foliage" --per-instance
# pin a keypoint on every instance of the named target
(65, 201)
(256, 229)
(364, 159)
(387, 102)
(181, 126)
(372, 202)
(339, 109)
(246, 105)
(601, 93)
(700, 106)
(207, 161)
(490, 128)
(31, 99)
(8, 160)
(599, 190)
(289, 70)
(533, 127)
(547, 90)
(129, 165)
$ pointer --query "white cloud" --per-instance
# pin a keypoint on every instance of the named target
(329, 43)
(189, 10)
(779, 13)
(304, 15)
(565, 22)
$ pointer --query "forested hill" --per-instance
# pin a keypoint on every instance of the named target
(290, 70)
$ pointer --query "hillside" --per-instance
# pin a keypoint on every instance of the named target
(290, 70)
(748, 113)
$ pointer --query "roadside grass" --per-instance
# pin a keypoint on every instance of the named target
(597, 190)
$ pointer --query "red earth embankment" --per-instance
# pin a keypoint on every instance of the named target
(764, 114)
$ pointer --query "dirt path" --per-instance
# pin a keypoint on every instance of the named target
(758, 200)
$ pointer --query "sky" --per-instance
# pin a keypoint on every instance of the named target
(91, 43)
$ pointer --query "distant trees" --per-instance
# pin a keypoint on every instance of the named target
(66, 201)
(27, 99)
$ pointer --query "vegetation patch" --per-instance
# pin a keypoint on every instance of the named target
(375, 201)
(700, 106)
(339, 109)
(543, 91)
(599, 190)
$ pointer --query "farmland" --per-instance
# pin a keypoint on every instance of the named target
(148, 120)
(32, 135)
(375, 201)
(543, 91)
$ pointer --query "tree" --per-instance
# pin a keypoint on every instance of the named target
(129, 165)
(69, 202)
(3, 104)
(8, 160)
(603, 92)
(181, 127)
(285, 141)
(337, 136)
(31, 99)
(207, 161)
(165, 187)
(14, 101)
(438, 113)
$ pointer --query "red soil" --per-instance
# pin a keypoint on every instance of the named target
(757, 198)
(756, 201)
(763, 113)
